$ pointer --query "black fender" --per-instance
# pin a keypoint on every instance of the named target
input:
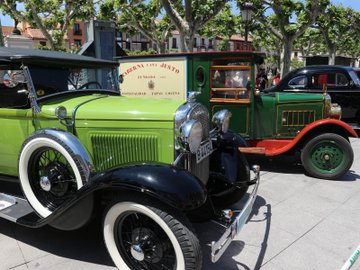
(171, 185)
(229, 167)
(166, 183)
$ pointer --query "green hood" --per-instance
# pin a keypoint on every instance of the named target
(298, 97)
(98, 107)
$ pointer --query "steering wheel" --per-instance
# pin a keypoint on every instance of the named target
(86, 85)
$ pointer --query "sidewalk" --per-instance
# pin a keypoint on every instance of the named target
(298, 222)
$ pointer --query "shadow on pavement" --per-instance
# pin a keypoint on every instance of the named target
(280, 164)
(290, 164)
(85, 244)
(209, 231)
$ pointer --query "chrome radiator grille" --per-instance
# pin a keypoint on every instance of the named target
(111, 150)
(201, 170)
(201, 114)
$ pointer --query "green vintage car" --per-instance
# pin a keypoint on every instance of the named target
(72, 147)
(301, 124)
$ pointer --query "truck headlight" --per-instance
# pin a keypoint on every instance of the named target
(191, 133)
(332, 110)
(221, 120)
(335, 111)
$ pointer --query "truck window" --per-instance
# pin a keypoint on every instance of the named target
(230, 83)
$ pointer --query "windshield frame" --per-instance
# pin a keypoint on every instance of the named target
(78, 91)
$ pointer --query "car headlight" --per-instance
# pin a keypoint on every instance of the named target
(191, 133)
(221, 120)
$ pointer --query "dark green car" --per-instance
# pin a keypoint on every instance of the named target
(272, 123)
(72, 148)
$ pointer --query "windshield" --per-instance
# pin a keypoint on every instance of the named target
(354, 77)
(49, 81)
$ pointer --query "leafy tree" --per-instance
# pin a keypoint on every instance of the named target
(263, 38)
(288, 21)
(138, 16)
(334, 24)
(223, 25)
(311, 42)
(52, 17)
(189, 16)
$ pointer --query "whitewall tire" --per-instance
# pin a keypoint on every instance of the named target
(185, 245)
(32, 149)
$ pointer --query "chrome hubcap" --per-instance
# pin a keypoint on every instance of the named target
(137, 252)
(45, 183)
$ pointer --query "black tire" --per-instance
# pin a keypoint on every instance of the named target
(141, 233)
(327, 156)
(40, 155)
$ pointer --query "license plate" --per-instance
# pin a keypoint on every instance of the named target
(204, 151)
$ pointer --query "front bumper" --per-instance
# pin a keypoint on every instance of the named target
(234, 227)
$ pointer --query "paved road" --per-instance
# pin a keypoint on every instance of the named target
(298, 222)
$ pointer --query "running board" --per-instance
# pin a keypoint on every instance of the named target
(13, 208)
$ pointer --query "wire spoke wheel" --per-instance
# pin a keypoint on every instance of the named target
(143, 243)
(48, 173)
(51, 177)
(142, 234)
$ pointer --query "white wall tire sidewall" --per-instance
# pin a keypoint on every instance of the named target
(109, 235)
(24, 160)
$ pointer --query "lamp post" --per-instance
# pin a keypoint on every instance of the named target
(246, 14)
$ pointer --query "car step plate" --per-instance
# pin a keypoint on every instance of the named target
(12, 208)
(6, 201)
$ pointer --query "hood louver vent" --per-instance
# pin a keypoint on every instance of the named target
(111, 150)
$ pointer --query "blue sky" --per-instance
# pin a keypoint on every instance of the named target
(355, 4)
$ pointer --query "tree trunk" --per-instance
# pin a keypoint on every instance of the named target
(182, 42)
(190, 43)
(332, 54)
(286, 56)
(161, 47)
(1, 36)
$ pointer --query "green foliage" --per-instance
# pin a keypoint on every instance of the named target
(52, 17)
(311, 42)
(340, 30)
(190, 17)
(150, 51)
(296, 63)
(287, 22)
(222, 25)
(135, 17)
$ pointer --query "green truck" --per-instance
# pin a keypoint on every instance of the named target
(272, 123)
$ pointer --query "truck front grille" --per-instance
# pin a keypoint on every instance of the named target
(297, 118)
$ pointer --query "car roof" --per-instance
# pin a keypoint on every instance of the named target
(51, 58)
(323, 68)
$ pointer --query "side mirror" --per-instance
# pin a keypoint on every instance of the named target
(13, 78)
